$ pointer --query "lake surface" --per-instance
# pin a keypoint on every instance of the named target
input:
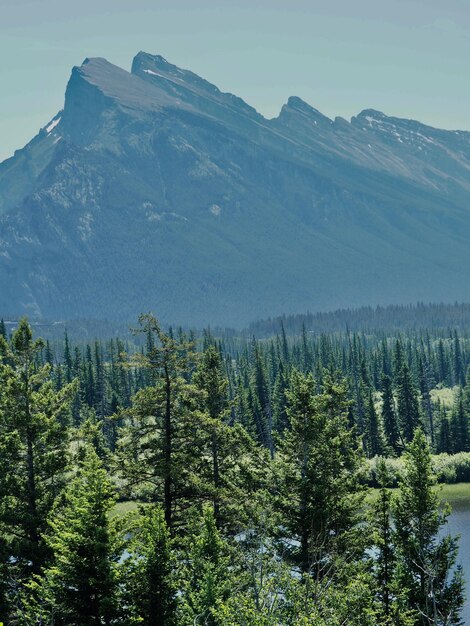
(459, 524)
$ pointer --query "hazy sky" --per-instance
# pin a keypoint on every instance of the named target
(407, 58)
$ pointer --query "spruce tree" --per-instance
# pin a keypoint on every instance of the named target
(162, 443)
(426, 558)
(206, 580)
(385, 558)
(445, 439)
(425, 388)
(150, 571)
(280, 419)
(210, 378)
(33, 447)
(393, 607)
(80, 586)
(317, 474)
(261, 393)
(409, 415)
(389, 418)
(373, 436)
(459, 425)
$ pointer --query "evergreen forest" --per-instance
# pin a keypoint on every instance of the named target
(281, 476)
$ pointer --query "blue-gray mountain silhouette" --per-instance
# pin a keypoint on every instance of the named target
(153, 190)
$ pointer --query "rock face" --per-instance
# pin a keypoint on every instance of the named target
(152, 190)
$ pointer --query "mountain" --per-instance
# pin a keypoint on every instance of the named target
(153, 190)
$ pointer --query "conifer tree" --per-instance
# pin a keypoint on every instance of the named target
(459, 425)
(69, 373)
(426, 559)
(442, 364)
(409, 415)
(227, 453)
(80, 586)
(385, 559)
(280, 419)
(263, 410)
(210, 378)
(33, 449)
(318, 474)
(389, 418)
(445, 440)
(206, 578)
(150, 571)
(458, 368)
(425, 388)
(393, 606)
(48, 356)
(161, 446)
(466, 391)
(373, 435)
(284, 344)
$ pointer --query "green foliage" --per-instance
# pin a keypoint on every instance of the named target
(206, 577)
(34, 451)
(317, 471)
(425, 559)
(250, 472)
(80, 584)
(448, 469)
(149, 572)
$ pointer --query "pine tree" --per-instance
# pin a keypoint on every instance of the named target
(150, 571)
(389, 419)
(280, 419)
(373, 435)
(161, 447)
(33, 449)
(409, 416)
(207, 578)
(459, 425)
(210, 378)
(317, 474)
(385, 558)
(426, 560)
(80, 586)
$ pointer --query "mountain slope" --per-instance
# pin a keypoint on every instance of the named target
(153, 190)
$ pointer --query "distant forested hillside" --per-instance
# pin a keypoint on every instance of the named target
(386, 318)
(390, 319)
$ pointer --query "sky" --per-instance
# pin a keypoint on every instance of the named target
(407, 58)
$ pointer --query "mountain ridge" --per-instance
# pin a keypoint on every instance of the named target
(154, 189)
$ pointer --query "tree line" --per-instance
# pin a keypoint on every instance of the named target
(394, 381)
(241, 515)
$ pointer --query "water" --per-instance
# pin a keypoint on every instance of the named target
(459, 524)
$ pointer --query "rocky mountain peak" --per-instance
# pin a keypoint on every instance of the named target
(297, 112)
(153, 188)
(186, 85)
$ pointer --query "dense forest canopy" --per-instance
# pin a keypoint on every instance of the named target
(243, 465)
